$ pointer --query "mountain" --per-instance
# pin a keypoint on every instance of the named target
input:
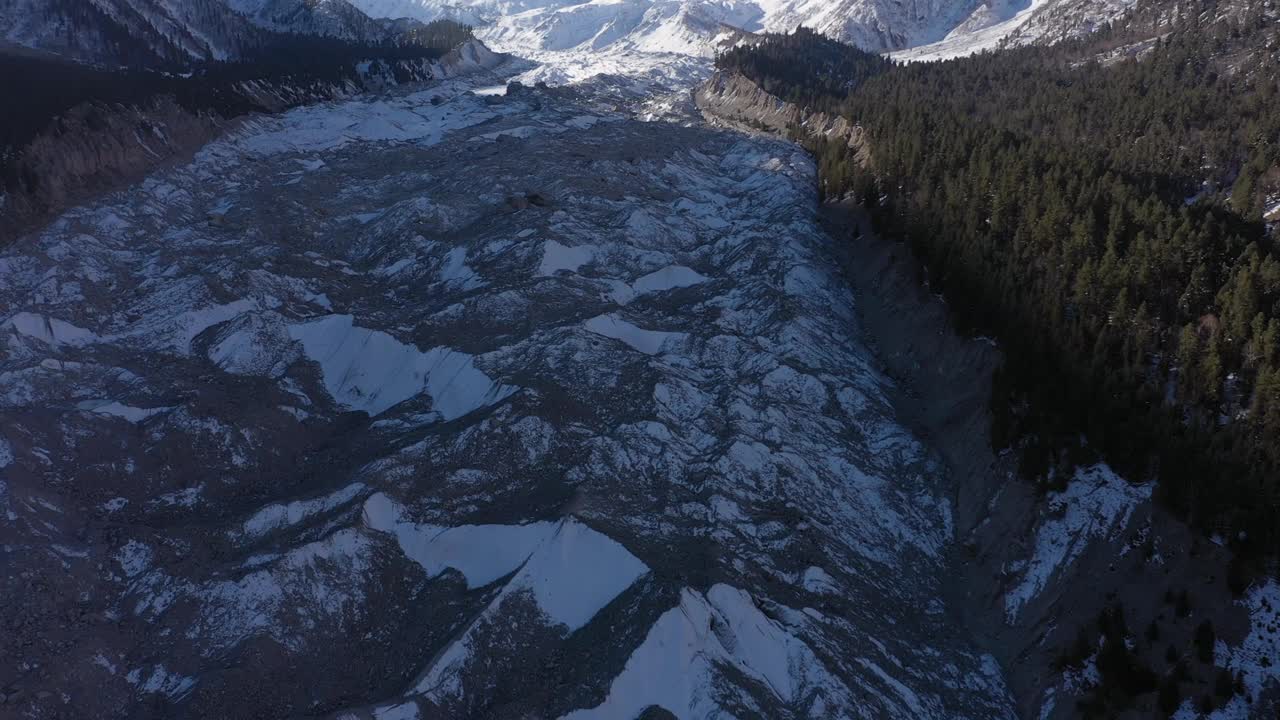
(127, 32)
(332, 18)
(942, 28)
(1008, 24)
(83, 129)
(630, 32)
(153, 33)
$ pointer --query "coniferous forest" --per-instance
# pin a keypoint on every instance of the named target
(1098, 206)
(49, 87)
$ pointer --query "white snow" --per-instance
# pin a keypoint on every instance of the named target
(254, 344)
(571, 570)
(329, 126)
(371, 371)
(160, 680)
(49, 330)
(1096, 505)
(817, 580)
(403, 711)
(482, 553)
(556, 257)
(277, 516)
(677, 664)
(668, 278)
(127, 412)
(571, 576)
(1258, 655)
(964, 41)
(182, 328)
(649, 342)
(456, 270)
(320, 582)
(576, 572)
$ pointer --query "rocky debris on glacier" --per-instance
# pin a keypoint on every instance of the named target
(379, 443)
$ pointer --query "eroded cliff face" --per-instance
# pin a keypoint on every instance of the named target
(735, 100)
(1034, 571)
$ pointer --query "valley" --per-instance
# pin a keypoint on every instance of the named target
(345, 343)
(559, 383)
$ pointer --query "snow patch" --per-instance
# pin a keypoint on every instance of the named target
(1257, 656)
(1096, 504)
(576, 573)
(370, 371)
(556, 257)
(280, 516)
(571, 570)
(668, 278)
(649, 342)
(127, 412)
(482, 553)
(677, 665)
(51, 331)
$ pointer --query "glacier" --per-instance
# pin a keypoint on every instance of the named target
(340, 382)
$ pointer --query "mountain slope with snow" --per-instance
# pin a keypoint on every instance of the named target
(333, 18)
(140, 32)
(1038, 21)
(158, 32)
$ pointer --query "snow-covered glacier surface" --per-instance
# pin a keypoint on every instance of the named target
(439, 405)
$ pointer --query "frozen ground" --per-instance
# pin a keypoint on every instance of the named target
(512, 402)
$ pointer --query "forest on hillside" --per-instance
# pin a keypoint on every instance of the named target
(1099, 207)
(49, 87)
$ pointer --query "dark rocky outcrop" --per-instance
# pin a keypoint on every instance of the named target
(735, 100)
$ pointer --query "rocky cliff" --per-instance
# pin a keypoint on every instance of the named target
(735, 100)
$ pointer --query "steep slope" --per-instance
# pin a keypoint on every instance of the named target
(999, 24)
(872, 24)
(666, 42)
(460, 392)
(333, 18)
(127, 32)
(150, 33)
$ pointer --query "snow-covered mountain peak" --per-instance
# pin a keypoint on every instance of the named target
(574, 40)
